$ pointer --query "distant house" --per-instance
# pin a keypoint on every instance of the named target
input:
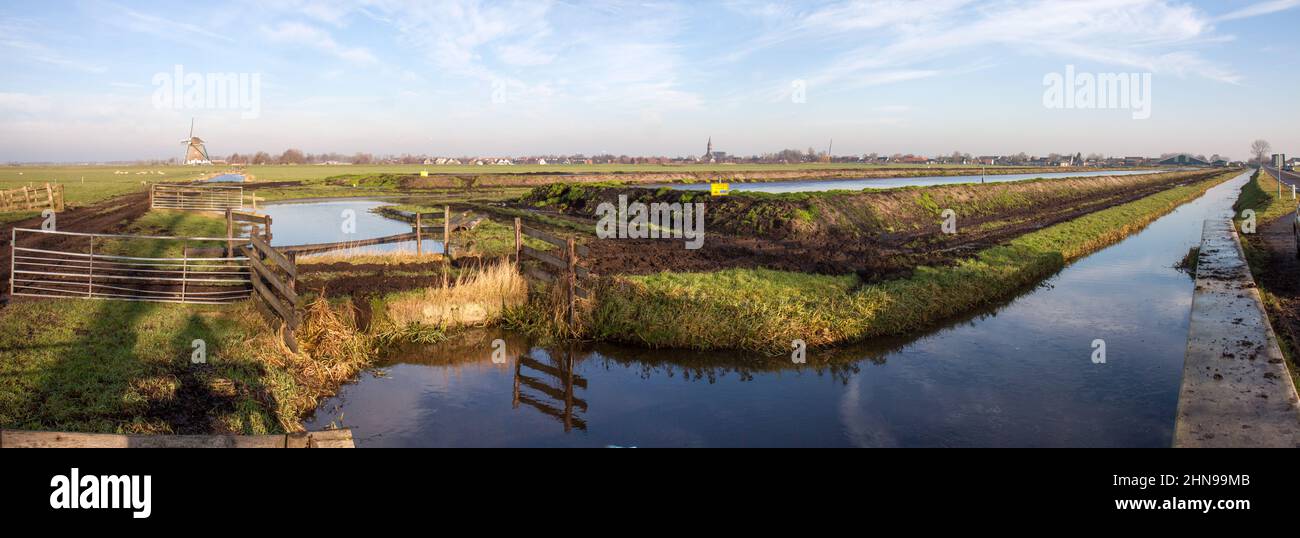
(1183, 159)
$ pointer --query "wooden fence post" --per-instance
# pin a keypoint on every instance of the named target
(27, 200)
(63, 198)
(49, 192)
(152, 187)
(519, 240)
(419, 236)
(446, 232)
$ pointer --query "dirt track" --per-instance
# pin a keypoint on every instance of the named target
(109, 216)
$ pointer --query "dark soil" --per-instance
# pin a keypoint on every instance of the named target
(848, 243)
(369, 279)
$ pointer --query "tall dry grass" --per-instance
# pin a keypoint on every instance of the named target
(476, 298)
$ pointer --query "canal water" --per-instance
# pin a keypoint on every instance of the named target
(1021, 374)
(332, 221)
(889, 183)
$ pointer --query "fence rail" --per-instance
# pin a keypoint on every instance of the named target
(274, 277)
(62, 270)
(47, 196)
(196, 197)
(562, 268)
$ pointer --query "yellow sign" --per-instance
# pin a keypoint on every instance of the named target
(719, 189)
(424, 173)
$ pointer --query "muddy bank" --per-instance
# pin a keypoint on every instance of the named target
(877, 234)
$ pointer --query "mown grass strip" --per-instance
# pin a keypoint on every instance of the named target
(764, 310)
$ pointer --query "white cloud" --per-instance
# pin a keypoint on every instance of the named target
(297, 33)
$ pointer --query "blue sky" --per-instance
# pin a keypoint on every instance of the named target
(646, 77)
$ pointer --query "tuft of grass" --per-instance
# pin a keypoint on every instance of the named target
(477, 298)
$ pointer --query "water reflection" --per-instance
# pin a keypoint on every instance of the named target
(543, 380)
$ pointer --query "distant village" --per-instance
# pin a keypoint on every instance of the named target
(293, 157)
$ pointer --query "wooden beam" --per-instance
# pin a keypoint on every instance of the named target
(275, 256)
(260, 269)
(544, 257)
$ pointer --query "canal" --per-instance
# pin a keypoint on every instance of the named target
(1021, 374)
(889, 183)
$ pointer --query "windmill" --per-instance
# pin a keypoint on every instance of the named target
(195, 153)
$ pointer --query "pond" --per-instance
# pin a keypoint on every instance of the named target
(226, 178)
(1020, 374)
(333, 221)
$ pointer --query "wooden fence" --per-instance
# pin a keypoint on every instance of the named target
(64, 268)
(274, 277)
(196, 197)
(48, 196)
(562, 268)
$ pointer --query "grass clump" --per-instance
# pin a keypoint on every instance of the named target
(477, 298)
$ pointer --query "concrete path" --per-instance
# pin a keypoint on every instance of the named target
(1236, 389)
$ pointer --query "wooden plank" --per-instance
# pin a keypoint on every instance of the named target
(287, 315)
(539, 274)
(325, 247)
(260, 269)
(244, 216)
(543, 236)
(45, 439)
(544, 258)
(330, 439)
(275, 256)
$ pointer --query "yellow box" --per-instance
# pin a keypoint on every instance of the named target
(719, 189)
(424, 173)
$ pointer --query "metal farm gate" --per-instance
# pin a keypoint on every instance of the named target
(55, 264)
(196, 197)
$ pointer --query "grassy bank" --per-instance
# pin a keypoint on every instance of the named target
(765, 310)
(1276, 280)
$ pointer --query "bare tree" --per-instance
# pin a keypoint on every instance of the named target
(1261, 150)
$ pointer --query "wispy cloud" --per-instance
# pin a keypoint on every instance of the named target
(1262, 8)
(898, 36)
(297, 33)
